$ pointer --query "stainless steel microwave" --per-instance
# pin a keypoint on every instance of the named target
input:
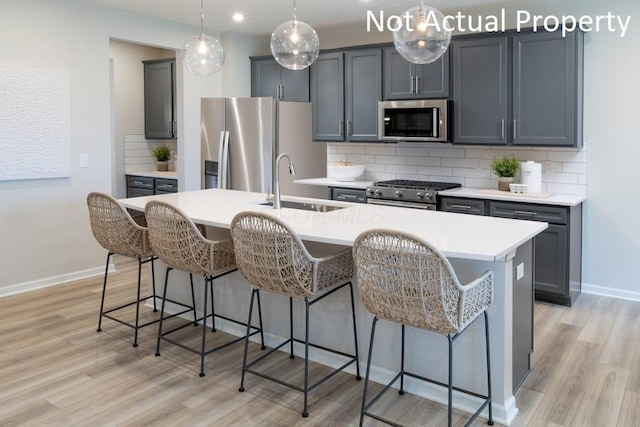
(413, 120)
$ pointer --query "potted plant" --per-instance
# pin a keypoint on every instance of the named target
(506, 168)
(162, 153)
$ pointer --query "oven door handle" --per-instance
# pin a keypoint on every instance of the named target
(425, 206)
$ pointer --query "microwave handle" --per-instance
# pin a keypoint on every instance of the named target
(437, 123)
(416, 87)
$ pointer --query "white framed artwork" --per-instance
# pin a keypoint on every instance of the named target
(35, 123)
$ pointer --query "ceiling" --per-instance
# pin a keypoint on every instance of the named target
(262, 16)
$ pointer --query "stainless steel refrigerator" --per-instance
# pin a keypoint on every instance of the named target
(241, 137)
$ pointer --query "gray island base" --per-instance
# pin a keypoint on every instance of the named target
(473, 244)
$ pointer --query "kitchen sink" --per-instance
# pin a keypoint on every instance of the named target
(315, 207)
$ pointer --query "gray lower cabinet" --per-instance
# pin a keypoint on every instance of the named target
(345, 90)
(405, 80)
(138, 186)
(268, 78)
(354, 195)
(558, 249)
(160, 112)
(520, 89)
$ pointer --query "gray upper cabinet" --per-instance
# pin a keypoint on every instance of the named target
(160, 99)
(404, 80)
(547, 89)
(479, 85)
(268, 78)
(520, 89)
(345, 90)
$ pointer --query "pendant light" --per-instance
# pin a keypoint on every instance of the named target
(203, 55)
(423, 38)
(294, 44)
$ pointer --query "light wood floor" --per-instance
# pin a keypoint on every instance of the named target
(55, 369)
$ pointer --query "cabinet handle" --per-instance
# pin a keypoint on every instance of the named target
(340, 127)
(416, 87)
(170, 129)
(346, 197)
(514, 129)
(502, 129)
(164, 186)
(412, 83)
(349, 128)
(460, 207)
(138, 182)
(528, 213)
(175, 128)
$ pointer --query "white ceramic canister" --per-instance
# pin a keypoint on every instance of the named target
(531, 175)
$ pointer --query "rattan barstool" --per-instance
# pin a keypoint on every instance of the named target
(273, 258)
(120, 233)
(406, 280)
(179, 243)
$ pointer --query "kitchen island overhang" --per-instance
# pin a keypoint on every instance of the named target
(473, 244)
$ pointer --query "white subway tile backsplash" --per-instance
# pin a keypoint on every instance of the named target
(392, 160)
(480, 183)
(367, 158)
(577, 189)
(536, 156)
(410, 151)
(446, 152)
(563, 178)
(387, 150)
(461, 163)
(472, 153)
(402, 169)
(375, 167)
(423, 161)
(574, 167)
(379, 176)
(430, 170)
(331, 157)
(472, 173)
(567, 156)
(552, 167)
(351, 149)
(582, 179)
(410, 176)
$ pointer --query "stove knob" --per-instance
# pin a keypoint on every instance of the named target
(420, 195)
(398, 194)
(377, 192)
(428, 195)
(370, 191)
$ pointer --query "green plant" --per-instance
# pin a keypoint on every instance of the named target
(505, 166)
(162, 153)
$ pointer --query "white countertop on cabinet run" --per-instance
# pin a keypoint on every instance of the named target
(478, 193)
(332, 182)
(459, 236)
(155, 174)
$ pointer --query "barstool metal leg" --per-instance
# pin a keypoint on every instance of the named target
(104, 290)
(135, 328)
(291, 356)
(193, 300)
(486, 330)
(450, 393)
(207, 282)
(164, 300)
(401, 392)
(153, 284)
(355, 332)
(213, 307)
(246, 341)
(366, 376)
(260, 321)
(305, 412)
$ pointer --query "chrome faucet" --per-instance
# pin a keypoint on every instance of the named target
(292, 171)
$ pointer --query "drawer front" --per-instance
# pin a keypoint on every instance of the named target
(140, 181)
(164, 185)
(349, 195)
(460, 205)
(552, 214)
(138, 192)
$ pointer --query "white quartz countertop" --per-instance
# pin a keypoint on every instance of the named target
(332, 182)
(477, 193)
(458, 236)
(155, 174)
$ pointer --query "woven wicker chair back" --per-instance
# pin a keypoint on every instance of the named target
(178, 242)
(114, 229)
(407, 280)
(271, 256)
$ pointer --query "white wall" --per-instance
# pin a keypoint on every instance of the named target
(611, 234)
(46, 236)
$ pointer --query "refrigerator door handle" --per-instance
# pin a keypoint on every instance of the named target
(225, 161)
(222, 167)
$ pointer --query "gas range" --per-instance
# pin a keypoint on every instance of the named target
(407, 193)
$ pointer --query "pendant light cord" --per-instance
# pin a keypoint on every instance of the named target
(201, 19)
(294, 11)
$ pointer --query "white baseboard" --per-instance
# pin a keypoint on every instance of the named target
(62, 279)
(610, 292)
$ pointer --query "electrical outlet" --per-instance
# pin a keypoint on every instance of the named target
(520, 271)
(84, 161)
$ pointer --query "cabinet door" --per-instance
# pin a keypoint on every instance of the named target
(327, 97)
(544, 89)
(551, 260)
(158, 100)
(480, 90)
(363, 90)
(265, 77)
(398, 75)
(432, 80)
(295, 85)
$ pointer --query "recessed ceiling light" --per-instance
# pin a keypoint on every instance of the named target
(238, 17)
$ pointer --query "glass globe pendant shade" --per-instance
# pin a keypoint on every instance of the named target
(203, 55)
(295, 45)
(423, 37)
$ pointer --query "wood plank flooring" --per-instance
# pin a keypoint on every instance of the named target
(56, 370)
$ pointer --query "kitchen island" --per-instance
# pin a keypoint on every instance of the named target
(473, 244)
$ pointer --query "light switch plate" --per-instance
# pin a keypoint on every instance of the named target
(84, 161)
(520, 271)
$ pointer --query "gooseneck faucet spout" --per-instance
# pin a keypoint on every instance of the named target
(292, 170)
